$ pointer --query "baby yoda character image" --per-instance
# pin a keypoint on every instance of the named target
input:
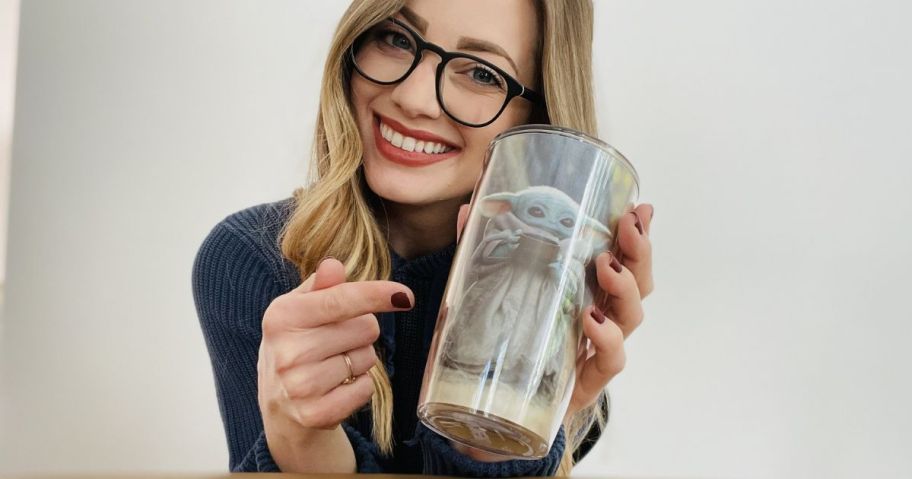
(512, 308)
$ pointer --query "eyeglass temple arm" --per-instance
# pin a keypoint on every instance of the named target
(531, 95)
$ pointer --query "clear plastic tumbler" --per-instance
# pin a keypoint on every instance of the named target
(501, 368)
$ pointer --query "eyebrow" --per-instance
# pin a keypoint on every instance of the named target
(465, 43)
(478, 45)
(420, 23)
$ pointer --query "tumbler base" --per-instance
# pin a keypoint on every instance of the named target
(483, 431)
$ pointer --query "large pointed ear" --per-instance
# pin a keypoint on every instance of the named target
(497, 203)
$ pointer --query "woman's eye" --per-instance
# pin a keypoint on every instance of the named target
(397, 40)
(536, 212)
(568, 222)
(486, 76)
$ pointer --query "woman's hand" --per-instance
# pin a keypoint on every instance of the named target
(307, 333)
(624, 282)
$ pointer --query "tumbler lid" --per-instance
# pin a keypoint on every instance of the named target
(570, 133)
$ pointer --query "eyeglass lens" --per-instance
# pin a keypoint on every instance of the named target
(470, 91)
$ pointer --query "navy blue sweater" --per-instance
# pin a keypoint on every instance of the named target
(239, 270)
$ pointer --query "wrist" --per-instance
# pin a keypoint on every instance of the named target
(295, 448)
(288, 432)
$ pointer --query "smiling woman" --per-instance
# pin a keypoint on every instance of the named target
(431, 79)
(413, 93)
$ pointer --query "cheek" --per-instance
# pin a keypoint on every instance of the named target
(517, 113)
(362, 93)
(478, 139)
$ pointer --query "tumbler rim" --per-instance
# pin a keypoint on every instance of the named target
(568, 132)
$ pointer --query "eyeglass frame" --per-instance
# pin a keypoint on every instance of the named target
(514, 87)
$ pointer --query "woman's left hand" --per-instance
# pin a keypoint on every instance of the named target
(625, 282)
(607, 325)
(621, 312)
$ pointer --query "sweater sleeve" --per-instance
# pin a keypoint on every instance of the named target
(233, 284)
(441, 459)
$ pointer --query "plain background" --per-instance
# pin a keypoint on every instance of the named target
(772, 138)
(9, 33)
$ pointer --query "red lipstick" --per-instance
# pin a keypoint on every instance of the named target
(409, 158)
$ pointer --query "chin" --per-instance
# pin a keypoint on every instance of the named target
(397, 187)
(409, 188)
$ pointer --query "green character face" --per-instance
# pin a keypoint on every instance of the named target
(546, 208)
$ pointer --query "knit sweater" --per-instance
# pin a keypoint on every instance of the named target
(239, 270)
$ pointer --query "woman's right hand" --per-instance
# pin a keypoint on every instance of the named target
(301, 366)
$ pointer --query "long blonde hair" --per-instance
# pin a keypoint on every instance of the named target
(333, 215)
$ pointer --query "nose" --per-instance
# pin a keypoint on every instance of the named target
(416, 95)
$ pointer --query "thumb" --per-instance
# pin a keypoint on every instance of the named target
(461, 219)
(330, 272)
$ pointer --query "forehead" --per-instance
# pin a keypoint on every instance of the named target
(510, 24)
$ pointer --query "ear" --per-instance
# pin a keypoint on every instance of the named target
(497, 203)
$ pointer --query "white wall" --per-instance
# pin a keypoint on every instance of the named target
(9, 33)
(771, 136)
(139, 125)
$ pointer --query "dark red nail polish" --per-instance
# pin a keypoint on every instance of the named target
(598, 316)
(401, 300)
(638, 224)
(615, 265)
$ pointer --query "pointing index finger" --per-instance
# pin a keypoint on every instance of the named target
(352, 299)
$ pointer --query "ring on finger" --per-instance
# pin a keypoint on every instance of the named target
(351, 373)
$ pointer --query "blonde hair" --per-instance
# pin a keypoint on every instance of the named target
(333, 214)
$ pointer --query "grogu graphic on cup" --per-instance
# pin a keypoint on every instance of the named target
(501, 368)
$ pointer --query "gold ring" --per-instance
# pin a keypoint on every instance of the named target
(351, 373)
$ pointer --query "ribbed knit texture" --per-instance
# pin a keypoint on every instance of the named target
(440, 457)
(237, 273)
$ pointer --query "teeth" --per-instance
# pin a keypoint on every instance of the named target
(397, 139)
(408, 143)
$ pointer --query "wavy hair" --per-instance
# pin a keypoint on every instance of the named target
(333, 214)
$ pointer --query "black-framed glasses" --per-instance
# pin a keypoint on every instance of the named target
(470, 90)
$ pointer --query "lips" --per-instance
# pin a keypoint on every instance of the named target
(409, 143)
(410, 147)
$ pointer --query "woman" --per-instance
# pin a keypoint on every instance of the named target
(323, 375)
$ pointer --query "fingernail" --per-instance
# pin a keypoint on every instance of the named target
(598, 316)
(652, 214)
(615, 265)
(401, 300)
(638, 224)
(326, 258)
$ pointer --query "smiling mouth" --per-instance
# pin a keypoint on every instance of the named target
(410, 144)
